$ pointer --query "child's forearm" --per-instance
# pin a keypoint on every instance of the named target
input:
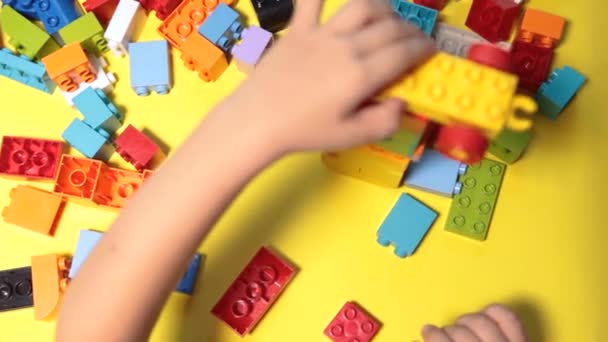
(140, 259)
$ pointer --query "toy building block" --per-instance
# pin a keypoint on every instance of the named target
(69, 66)
(493, 19)
(453, 40)
(25, 71)
(188, 281)
(460, 142)
(49, 282)
(406, 141)
(116, 187)
(34, 209)
(56, 14)
(435, 173)
(87, 239)
(541, 28)
(98, 111)
(88, 141)
(26, 8)
(471, 211)
(352, 323)
(254, 291)
(30, 157)
(27, 38)
(78, 177)
(104, 81)
(87, 31)
(492, 56)
(273, 16)
(123, 27)
(509, 146)
(406, 225)
(554, 95)
(437, 5)
(201, 55)
(531, 63)
(103, 9)
(162, 7)
(222, 27)
(137, 149)
(16, 288)
(422, 17)
(249, 51)
(149, 67)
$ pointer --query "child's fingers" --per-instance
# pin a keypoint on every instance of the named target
(356, 14)
(460, 333)
(307, 13)
(507, 321)
(374, 122)
(431, 333)
(483, 326)
(382, 33)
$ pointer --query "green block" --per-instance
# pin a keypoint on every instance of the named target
(510, 145)
(471, 210)
(403, 142)
(87, 31)
(27, 38)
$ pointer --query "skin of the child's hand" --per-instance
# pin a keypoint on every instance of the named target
(495, 323)
(314, 89)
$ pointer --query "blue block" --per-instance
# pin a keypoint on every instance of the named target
(55, 14)
(98, 110)
(86, 242)
(26, 8)
(186, 284)
(422, 17)
(554, 95)
(435, 173)
(406, 225)
(149, 67)
(25, 71)
(85, 139)
(223, 27)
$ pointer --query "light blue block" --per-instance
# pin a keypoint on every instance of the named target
(86, 242)
(186, 284)
(435, 173)
(149, 67)
(554, 95)
(422, 17)
(406, 225)
(25, 71)
(98, 110)
(223, 27)
(85, 139)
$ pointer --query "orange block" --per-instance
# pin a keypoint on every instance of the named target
(201, 55)
(542, 28)
(69, 66)
(117, 186)
(49, 281)
(77, 177)
(34, 209)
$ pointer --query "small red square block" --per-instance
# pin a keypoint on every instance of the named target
(434, 4)
(352, 323)
(103, 9)
(137, 149)
(30, 157)
(493, 19)
(532, 63)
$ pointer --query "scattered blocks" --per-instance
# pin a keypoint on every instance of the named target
(201, 55)
(554, 95)
(223, 27)
(103, 9)
(273, 16)
(531, 64)
(541, 28)
(87, 31)
(406, 225)
(69, 66)
(123, 27)
(24, 71)
(77, 177)
(98, 111)
(56, 14)
(91, 143)
(16, 288)
(352, 323)
(49, 280)
(509, 145)
(87, 239)
(34, 209)
(30, 157)
(27, 38)
(188, 281)
(435, 173)
(137, 149)
(150, 67)
(423, 17)
(104, 81)
(116, 187)
(493, 19)
(249, 51)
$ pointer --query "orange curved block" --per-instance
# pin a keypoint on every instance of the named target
(77, 177)
(542, 28)
(69, 66)
(49, 281)
(203, 56)
(116, 187)
(34, 209)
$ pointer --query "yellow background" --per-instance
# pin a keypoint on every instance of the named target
(544, 255)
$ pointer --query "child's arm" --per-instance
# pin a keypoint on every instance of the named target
(311, 92)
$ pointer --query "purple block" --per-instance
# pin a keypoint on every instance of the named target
(255, 40)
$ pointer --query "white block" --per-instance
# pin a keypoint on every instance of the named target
(104, 81)
(128, 15)
(457, 42)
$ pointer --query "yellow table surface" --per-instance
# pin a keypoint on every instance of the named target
(544, 255)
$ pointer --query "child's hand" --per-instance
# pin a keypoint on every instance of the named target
(495, 323)
(314, 88)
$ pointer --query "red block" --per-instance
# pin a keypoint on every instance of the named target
(30, 157)
(493, 19)
(492, 56)
(434, 4)
(352, 324)
(253, 291)
(162, 7)
(103, 9)
(137, 149)
(462, 143)
(532, 63)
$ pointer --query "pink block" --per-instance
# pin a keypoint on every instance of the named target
(255, 40)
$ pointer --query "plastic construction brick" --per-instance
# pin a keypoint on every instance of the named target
(531, 63)
(406, 225)
(27, 38)
(162, 7)
(87, 239)
(471, 210)
(223, 27)
(69, 66)
(461, 142)
(27, 8)
(509, 146)
(435, 173)
(55, 14)
(493, 19)
(491, 55)
(88, 141)
(49, 282)
(554, 95)
(150, 68)
(541, 28)
(137, 149)
(25, 71)
(103, 9)
(87, 31)
(273, 16)
(16, 288)
(78, 177)
(188, 281)
(453, 40)
(254, 291)
(34, 209)
(352, 323)
(30, 157)
(406, 141)
(124, 26)
(98, 111)
(104, 81)
(422, 17)
(201, 55)
(434, 4)
(116, 187)
(249, 51)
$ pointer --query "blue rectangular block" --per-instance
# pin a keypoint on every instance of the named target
(554, 95)
(223, 27)
(186, 284)
(149, 67)
(422, 17)
(55, 14)
(25, 71)
(91, 143)
(435, 173)
(406, 225)
(86, 242)
(98, 110)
